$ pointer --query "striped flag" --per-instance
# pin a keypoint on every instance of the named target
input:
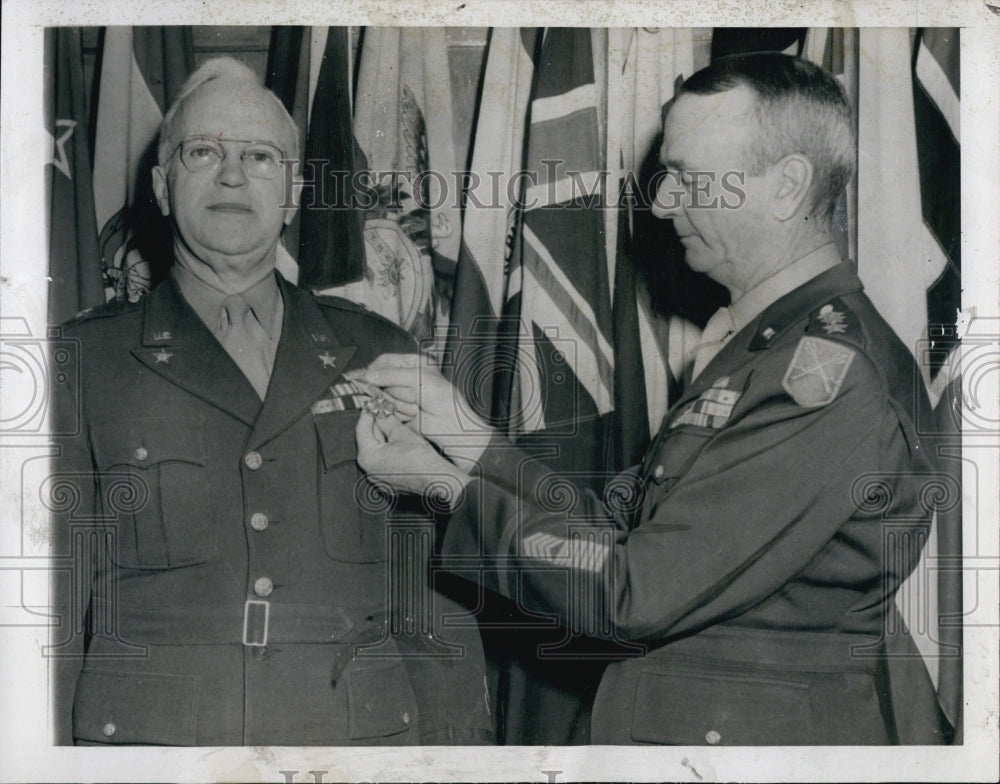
(936, 109)
(559, 283)
(936, 116)
(488, 220)
(142, 68)
(74, 261)
(403, 128)
(899, 258)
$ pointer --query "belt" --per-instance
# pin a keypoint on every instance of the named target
(254, 623)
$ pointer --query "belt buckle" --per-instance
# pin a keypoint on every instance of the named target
(253, 609)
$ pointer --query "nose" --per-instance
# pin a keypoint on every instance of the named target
(231, 172)
(669, 199)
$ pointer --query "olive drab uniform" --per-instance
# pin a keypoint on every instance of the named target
(747, 568)
(230, 565)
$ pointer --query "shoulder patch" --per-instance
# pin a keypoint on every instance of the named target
(817, 371)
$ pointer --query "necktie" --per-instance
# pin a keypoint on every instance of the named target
(717, 332)
(243, 338)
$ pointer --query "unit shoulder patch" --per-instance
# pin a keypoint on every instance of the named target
(817, 371)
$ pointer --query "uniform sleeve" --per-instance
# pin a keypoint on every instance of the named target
(744, 513)
(73, 545)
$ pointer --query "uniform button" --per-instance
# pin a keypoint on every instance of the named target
(406, 717)
(253, 460)
(658, 472)
(109, 729)
(258, 521)
(713, 737)
(141, 453)
(261, 652)
(263, 586)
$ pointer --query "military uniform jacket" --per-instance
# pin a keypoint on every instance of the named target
(230, 580)
(747, 568)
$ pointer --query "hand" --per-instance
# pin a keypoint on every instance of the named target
(390, 452)
(429, 404)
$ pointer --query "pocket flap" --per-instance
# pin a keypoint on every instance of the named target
(116, 707)
(690, 708)
(380, 699)
(144, 442)
(337, 442)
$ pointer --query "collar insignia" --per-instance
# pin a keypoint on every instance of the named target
(832, 320)
(162, 356)
(328, 359)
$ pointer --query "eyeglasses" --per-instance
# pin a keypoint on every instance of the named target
(259, 159)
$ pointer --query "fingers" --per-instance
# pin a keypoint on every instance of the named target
(394, 430)
(405, 361)
(369, 437)
(405, 378)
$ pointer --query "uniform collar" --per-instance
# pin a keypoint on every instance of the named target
(755, 301)
(795, 305)
(262, 296)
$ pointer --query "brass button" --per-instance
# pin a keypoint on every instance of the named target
(258, 521)
(406, 717)
(713, 737)
(253, 460)
(109, 729)
(141, 453)
(263, 586)
(658, 472)
(261, 652)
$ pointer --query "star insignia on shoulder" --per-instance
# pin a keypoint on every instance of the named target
(328, 359)
(162, 356)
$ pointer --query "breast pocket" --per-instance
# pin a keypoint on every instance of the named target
(353, 511)
(153, 484)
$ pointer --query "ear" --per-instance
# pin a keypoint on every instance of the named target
(794, 181)
(161, 190)
(293, 192)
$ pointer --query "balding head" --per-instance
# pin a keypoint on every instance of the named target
(229, 80)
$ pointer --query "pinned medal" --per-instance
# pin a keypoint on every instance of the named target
(379, 404)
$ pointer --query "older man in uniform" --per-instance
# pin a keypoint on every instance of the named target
(230, 580)
(750, 557)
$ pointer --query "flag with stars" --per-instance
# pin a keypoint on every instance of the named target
(74, 261)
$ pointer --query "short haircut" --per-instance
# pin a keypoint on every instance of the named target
(800, 108)
(218, 69)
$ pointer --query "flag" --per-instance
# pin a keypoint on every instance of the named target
(142, 69)
(559, 287)
(491, 194)
(644, 67)
(412, 225)
(898, 256)
(74, 260)
(331, 247)
(936, 117)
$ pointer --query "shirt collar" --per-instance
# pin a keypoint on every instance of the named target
(206, 299)
(755, 301)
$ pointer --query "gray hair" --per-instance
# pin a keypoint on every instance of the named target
(800, 108)
(218, 69)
